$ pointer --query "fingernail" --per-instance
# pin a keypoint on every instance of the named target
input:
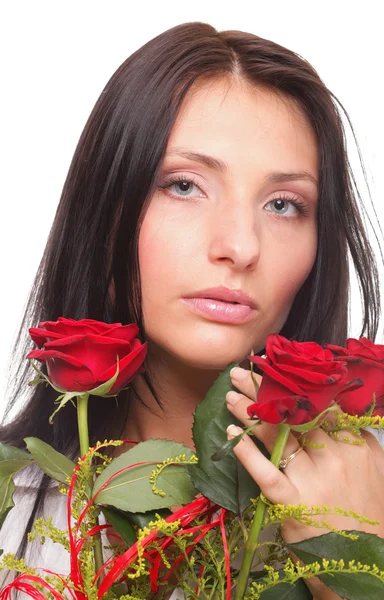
(238, 373)
(233, 430)
(232, 398)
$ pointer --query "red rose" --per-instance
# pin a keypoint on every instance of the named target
(81, 355)
(300, 380)
(364, 360)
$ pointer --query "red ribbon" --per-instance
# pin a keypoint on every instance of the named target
(200, 507)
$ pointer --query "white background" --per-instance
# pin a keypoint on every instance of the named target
(56, 57)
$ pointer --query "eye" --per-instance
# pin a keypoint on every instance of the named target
(286, 206)
(184, 187)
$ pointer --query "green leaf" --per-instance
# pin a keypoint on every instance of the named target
(54, 464)
(225, 481)
(12, 453)
(368, 549)
(12, 460)
(143, 519)
(131, 490)
(10, 467)
(287, 591)
(121, 524)
(119, 589)
(230, 444)
(7, 487)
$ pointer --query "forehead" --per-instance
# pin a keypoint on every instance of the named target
(248, 123)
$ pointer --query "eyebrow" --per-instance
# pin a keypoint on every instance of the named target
(220, 166)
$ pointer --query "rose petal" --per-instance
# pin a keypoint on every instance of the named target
(274, 374)
(40, 336)
(43, 355)
(357, 400)
(72, 327)
(307, 376)
(65, 372)
(272, 389)
(128, 366)
(96, 351)
(123, 332)
(353, 404)
(293, 410)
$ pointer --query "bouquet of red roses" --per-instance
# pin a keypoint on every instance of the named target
(211, 546)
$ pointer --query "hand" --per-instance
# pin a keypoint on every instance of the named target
(339, 474)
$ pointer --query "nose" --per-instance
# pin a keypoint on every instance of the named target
(234, 237)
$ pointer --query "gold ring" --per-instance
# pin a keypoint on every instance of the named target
(284, 461)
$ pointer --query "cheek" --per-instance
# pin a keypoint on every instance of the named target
(164, 256)
(298, 264)
(287, 257)
(153, 257)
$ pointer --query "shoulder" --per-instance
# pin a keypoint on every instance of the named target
(40, 556)
(24, 498)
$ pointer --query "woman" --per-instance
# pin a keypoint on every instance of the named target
(210, 201)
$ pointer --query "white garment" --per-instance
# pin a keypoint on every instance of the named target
(51, 555)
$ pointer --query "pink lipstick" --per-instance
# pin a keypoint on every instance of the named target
(222, 304)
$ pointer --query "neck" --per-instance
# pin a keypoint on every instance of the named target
(180, 388)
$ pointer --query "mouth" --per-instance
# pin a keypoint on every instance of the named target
(220, 300)
(215, 307)
(225, 295)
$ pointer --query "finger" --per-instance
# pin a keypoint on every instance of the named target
(342, 442)
(346, 436)
(266, 432)
(332, 418)
(242, 380)
(323, 450)
(370, 439)
(273, 483)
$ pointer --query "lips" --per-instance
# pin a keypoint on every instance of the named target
(222, 305)
(224, 294)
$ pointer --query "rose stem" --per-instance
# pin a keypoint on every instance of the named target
(258, 517)
(82, 421)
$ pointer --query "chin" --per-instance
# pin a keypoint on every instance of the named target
(202, 349)
(216, 360)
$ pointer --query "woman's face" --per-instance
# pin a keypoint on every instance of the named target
(243, 219)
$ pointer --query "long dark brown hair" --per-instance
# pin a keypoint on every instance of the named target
(113, 174)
